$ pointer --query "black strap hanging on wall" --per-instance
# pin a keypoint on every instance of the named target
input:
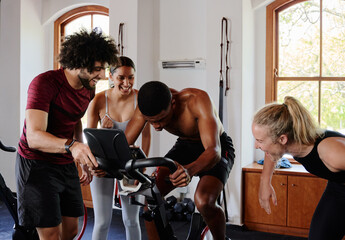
(224, 57)
(120, 39)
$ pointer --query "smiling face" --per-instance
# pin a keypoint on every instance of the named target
(274, 149)
(89, 80)
(123, 79)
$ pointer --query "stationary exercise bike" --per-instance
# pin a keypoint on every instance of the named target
(10, 200)
(113, 154)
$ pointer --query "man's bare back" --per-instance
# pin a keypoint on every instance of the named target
(190, 115)
(187, 106)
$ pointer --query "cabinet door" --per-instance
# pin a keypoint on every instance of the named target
(252, 209)
(304, 194)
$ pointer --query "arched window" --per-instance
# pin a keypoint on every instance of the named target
(305, 57)
(87, 17)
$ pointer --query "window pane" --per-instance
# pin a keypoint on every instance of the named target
(333, 105)
(77, 24)
(299, 44)
(305, 91)
(102, 22)
(333, 37)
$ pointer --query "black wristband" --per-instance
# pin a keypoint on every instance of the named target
(68, 145)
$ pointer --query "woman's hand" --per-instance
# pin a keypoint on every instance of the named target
(97, 172)
(106, 122)
(86, 176)
(266, 191)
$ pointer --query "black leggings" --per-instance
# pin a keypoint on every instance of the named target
(328, 222)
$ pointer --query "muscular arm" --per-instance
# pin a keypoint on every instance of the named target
(38, 138)
(209, 129)
(134, 127)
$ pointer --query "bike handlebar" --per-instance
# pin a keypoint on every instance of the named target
(133, 165)
(6, 148)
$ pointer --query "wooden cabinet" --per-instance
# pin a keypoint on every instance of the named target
(298, 193)
(86, 191)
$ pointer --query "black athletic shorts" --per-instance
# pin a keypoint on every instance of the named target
(187, 151)
(46, 192)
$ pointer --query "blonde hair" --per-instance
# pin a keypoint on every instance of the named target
(290, 118)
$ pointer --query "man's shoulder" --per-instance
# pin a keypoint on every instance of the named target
(50, 77)
(190, 94)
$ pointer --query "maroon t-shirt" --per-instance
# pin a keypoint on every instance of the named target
(51, 92)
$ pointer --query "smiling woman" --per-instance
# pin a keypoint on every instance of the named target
(290, 128)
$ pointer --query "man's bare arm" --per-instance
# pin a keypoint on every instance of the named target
(135, 127)
(209, 129)
(38, 138)
(146, 139)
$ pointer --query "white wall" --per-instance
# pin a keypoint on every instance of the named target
(259, 58)
(31, 48)
(10, 84)
(154, 30)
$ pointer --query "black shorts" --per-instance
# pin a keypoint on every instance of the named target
(46, 192)
(187, 151)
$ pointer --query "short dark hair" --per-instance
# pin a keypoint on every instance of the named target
(153, 98)
(123, 62)
(82, 49)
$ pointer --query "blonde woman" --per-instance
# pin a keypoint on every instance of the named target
(289, 128)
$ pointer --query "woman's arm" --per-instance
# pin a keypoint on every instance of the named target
(332, 151)
(93, 113)
(266, 191)
(146, 139)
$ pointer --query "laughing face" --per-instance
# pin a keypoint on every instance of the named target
(273, 149)
(123, 78)
(89, 80)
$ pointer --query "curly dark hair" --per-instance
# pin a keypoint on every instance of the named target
(83, 49)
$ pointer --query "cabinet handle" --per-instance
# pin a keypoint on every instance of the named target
(293, 185)
(282, 184)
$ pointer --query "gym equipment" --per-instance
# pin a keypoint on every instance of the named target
(125, 162)
(10, 200)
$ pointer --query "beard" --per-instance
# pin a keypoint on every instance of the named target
(86, 83)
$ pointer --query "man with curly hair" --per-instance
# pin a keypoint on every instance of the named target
(48, 185)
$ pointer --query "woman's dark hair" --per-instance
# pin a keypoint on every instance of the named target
(123, 62)
(153, 98)
(82, 49)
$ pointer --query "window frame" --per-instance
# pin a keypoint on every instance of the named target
(272, 37)
(272, 53)
(66, 18)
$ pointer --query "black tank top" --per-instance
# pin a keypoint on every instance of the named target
(313, 164)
